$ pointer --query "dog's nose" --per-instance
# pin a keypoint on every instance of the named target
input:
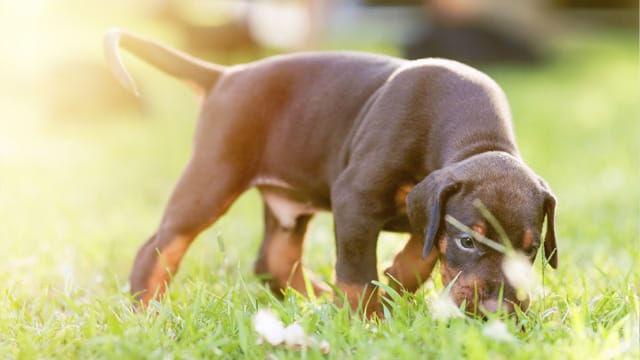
(492, 306)
(494, 290)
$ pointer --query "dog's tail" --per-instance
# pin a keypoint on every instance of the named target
(199, 73)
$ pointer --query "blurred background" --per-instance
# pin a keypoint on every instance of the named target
(51, 49)
(85, 168)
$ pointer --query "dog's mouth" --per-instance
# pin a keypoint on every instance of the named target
(475, 301)
(485, 307)
(492, 306)
(479, 295)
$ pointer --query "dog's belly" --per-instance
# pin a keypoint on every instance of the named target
(286, 209)
(287, 205)
(287, 202)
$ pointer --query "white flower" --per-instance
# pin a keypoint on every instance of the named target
(269, 327)
(324, 347)
(519, 272)
(497, 330)
(294, 335)
(442, 308)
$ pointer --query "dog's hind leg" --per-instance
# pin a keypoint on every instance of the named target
(280, 256)
(206, 189)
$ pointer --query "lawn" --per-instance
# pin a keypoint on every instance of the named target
(79, 195)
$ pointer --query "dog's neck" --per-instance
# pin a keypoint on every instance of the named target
(479, 148)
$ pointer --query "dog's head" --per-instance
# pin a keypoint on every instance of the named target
(519, 201)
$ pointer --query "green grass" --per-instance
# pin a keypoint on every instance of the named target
(78, 196)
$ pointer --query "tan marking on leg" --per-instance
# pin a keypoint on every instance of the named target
(401, 197)
(284, 264)
(357, 294)
(166, 266)
(282, 255)
(409, 269)
(297, 281)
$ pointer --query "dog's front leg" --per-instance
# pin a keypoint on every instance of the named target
(409, 270)
(357, 225)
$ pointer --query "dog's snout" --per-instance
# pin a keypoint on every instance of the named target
(498, 295)
(487, 289)
(493, 288)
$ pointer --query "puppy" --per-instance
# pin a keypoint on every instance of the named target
(383, 143)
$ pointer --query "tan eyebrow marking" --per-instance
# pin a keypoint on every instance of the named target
(527, 239)
(479, 228)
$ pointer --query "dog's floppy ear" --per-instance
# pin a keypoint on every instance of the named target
(549, 205)
(425, 206)
(550, 248)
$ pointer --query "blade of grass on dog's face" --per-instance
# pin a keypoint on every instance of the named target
(481, 239)
(494, 222)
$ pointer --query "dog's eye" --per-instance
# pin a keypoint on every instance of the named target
(532, 251)
(466, 242)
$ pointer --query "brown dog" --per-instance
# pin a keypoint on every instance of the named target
(383, 143)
